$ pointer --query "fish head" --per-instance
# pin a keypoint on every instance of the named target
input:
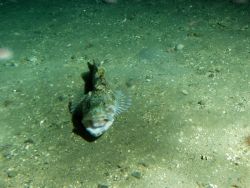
(97, 122)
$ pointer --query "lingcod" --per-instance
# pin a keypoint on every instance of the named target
(99, 105)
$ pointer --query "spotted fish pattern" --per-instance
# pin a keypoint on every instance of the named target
(99, 105)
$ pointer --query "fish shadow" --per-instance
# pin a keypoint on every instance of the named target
(78, 127)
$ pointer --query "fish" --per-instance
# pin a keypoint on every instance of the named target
(99, 105)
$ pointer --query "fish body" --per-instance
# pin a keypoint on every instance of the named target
(99, 105)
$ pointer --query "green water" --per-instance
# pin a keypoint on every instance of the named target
(185, 64)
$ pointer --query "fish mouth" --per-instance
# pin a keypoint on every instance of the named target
(97, 129)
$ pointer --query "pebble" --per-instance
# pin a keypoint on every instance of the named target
(102, 186)
(29, 141)
(184, 92)
(11, 64)
(201, 102)
(32, 59)
(179, 47)
(11, 173)
(136, 174)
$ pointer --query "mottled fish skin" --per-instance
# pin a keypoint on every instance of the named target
(101, 104)
(99, 115)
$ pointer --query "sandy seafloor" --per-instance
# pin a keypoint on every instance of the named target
(189, 122)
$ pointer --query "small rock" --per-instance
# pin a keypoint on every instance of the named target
(11, 64)
(32, 59)
(136, 174)
(148, 78)
(29, 141)
(102, 186)
(179, 47)
(201, 102)
(11, 173)
(51, 148)
(73, 57)
(184, 92)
